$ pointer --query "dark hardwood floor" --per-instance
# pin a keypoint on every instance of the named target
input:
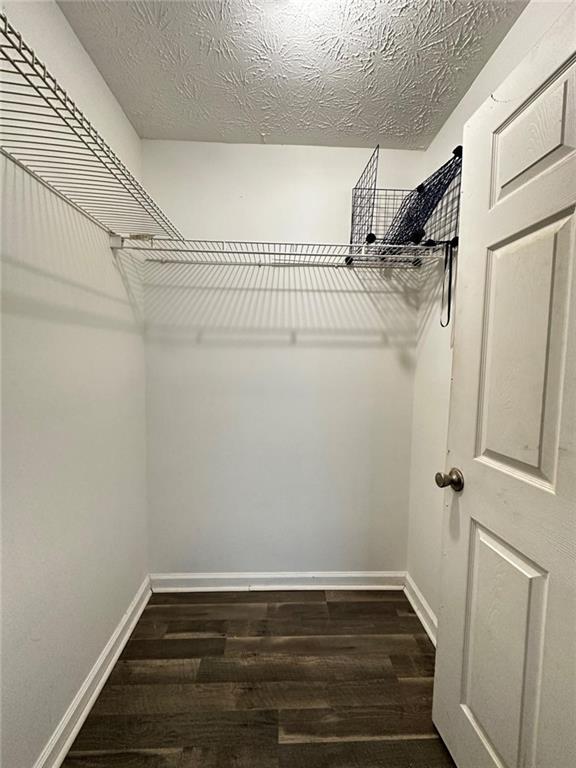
(268, 680)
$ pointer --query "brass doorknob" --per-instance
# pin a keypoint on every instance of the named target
(454, 478)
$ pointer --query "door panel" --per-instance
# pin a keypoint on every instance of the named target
(506, 594)
(505, 689)
(525, 312)
(539, 134)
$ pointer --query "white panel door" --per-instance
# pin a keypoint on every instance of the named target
(505, 691)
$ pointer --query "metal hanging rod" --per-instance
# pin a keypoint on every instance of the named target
(43, 129)
(266, 254)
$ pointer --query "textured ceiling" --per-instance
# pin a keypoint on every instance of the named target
(331, 72)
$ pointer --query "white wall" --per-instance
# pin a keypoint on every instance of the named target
(434, 353)
(266, 458)
(73, 474)
(74, 537)
(45, 28)
(266, 455)
(261, 192)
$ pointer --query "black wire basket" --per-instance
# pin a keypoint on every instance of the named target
(387, 218)
(399, 227)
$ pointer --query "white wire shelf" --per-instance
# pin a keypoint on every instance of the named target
(43, 130)
(267, 254)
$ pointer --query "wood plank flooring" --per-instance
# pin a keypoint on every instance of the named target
(308, 679)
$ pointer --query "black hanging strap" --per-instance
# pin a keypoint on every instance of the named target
(446, 303)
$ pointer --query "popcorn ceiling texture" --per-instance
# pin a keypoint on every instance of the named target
(327, 72)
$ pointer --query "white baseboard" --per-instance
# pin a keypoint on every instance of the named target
(421, 608)
(231, 582)
(57, 748)
(300, 580)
